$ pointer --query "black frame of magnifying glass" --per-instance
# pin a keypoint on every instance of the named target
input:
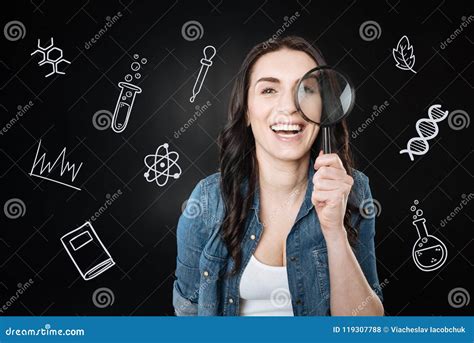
(326, 128)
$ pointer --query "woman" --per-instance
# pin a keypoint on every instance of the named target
(278, 231)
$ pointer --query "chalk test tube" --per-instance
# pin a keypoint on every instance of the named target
(124, 106)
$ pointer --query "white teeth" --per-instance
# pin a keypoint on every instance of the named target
(286, 127)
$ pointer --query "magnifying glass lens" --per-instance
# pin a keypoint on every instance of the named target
(324, 96)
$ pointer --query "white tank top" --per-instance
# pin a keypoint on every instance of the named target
(264, 290)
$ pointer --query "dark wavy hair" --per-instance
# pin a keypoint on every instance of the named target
(238, 163)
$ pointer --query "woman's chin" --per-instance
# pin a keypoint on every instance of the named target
(289, 155)
(292, 150)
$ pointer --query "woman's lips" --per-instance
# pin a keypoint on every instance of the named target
(288, 136)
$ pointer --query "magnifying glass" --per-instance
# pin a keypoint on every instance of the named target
(324, 96)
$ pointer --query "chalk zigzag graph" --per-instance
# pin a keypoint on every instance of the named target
(65, 166)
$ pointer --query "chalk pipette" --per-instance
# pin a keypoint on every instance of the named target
(209, 52)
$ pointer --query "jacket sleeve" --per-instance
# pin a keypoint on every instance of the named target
(191, 238)
(365, 251)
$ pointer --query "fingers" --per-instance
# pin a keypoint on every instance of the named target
(331, 173)
(328, 196)
(330, 181)
(330, 160)
(331, 185)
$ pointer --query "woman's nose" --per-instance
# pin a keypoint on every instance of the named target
(286, 102)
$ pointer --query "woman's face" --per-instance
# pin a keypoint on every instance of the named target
(278, 128)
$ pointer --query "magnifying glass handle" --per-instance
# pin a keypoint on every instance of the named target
(326, 139)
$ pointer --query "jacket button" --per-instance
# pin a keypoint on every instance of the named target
(231, 301)
(293, 258)
(299, 302)
(206, 273)
(252, 237)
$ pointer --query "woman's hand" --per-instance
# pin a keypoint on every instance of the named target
(330, 193)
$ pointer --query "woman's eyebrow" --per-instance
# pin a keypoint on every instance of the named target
(272, 79)
(268, 79)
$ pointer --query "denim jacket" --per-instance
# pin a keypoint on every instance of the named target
(202, 286)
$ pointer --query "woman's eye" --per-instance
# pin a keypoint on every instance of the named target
(268, 91)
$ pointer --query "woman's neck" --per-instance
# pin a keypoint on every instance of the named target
(282, 178)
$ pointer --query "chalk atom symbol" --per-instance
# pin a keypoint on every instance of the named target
(161, 165)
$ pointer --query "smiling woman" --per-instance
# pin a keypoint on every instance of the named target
(271, 107)
(279, 231)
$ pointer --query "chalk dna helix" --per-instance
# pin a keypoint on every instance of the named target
(427, 129)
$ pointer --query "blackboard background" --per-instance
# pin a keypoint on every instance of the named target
(139, 228)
